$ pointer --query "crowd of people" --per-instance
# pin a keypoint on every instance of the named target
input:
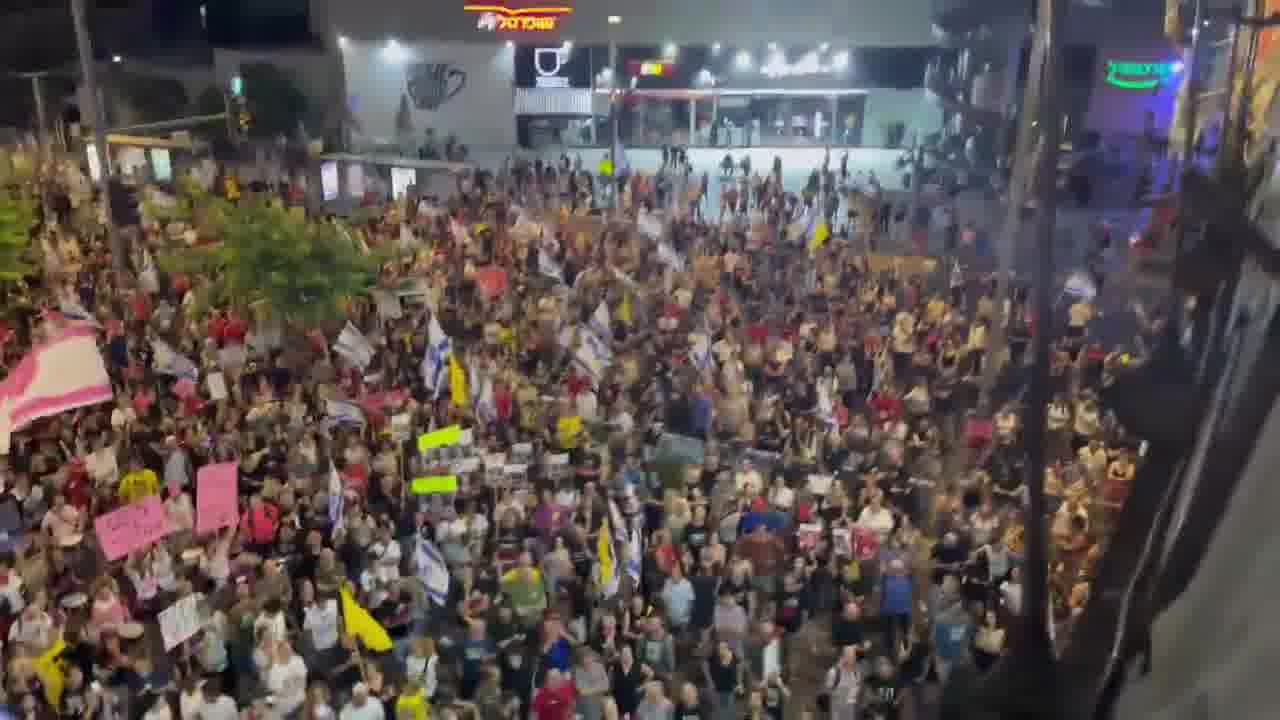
(710, 467)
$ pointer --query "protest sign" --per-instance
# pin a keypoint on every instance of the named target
(435, 485)
(216, 497)
(217, 383)
(444, 437)
(180, 621)
(132, 527)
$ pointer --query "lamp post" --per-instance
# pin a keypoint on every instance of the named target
(97, 112)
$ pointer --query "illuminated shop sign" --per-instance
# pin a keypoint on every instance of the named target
(651, 68)
(549, 62)
(1140, 75)
(500, 18)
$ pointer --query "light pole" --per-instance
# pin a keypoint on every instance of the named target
(84, 46)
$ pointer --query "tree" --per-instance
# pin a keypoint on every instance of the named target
(275, 102)
(17, 217)
(296, 271)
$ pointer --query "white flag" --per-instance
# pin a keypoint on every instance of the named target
(168, 362)
(549, 267)
(337, 502)
(354, 347)
(593, 354)
(600, 322)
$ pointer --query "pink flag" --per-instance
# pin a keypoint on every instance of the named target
(62, 374)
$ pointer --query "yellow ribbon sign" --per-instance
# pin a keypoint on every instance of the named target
(445, 437)
(435, 485)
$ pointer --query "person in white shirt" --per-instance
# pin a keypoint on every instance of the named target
(876, 518)
(216, 705)
(320, 619)
(360, 707)
(287, 680)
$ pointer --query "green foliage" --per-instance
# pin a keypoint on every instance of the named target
(275, 102)
(152, 97)
(17, 217)
(268, 260)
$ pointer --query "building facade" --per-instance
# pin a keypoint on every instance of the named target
(813, 73)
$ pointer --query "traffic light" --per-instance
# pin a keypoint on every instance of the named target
(245, 120)
(124, 204)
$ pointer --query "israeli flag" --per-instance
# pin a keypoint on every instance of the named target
(337, 502)
(700, 353)
(1080, 286)
(601, 323)
(668, 256)
(344, 413)
(166, 361)
(635, 555)
(549, 267)
(435, 360)
(593, 354)
(432, 570)
(354, 347)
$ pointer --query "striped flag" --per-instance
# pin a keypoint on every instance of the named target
(433, 571)
(62, 374)
(435, 359)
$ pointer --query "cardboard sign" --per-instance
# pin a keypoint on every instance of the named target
(217, 383)
(445, 437)
(820, 484)
(435, 485)
(180, 621)
(132, 527)
(217, 495)
(465, 465)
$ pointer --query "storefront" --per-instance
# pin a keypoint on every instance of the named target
(720, 96)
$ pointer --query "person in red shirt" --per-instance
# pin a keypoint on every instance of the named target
(260, 523)
(556, 699)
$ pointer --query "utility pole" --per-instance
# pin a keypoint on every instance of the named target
(98, 114)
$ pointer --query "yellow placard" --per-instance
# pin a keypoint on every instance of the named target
(445, 437)
(435, 485)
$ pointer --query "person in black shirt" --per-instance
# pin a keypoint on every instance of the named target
(706, 584)
(884, 696)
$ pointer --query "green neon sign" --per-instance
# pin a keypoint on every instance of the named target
(1140, 75)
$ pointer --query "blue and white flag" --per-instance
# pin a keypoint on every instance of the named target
(344, 413)
(549, 267)
(601, 323)
(337, 502)
(1080, 286)
(635, 555)
(432, 570)
(166, 361)
(354, 347)
(435, 360)
(700, 353)
(593, 354)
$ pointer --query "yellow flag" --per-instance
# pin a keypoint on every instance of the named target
(625, 311)
(362, 625)
(604, 552)
(458, 389)
(569, 429)
(50, 669)
(821, 234)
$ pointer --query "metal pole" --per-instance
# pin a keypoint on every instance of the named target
(1024, 158)
(98, 113)
(42, 117)
(1036, 636)
(615, 100)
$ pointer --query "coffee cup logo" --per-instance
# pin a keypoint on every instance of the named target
(433, 84)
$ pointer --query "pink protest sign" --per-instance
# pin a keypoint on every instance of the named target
(216, 496)
(132, 527)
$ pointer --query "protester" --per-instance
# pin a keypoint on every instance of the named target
(685, 479)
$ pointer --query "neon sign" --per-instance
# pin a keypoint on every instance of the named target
(500, 18)
(1140, 75)
(651, 68)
